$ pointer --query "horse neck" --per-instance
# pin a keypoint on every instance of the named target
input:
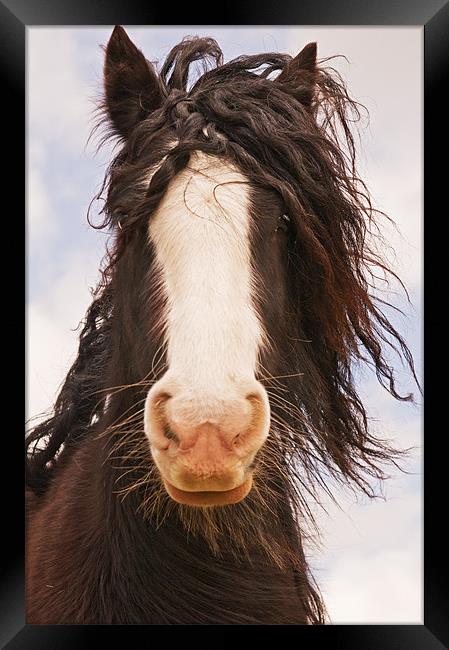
(126, 570)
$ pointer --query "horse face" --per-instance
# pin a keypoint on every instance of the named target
(208, 416)
(217, 242)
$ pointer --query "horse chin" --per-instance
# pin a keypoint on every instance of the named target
(210, 498)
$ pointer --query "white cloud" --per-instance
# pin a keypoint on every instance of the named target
(51, 342)
(370, 570)
(41, 219)
(61, 94)
(58, 107)
(50, 349)
(381, 587)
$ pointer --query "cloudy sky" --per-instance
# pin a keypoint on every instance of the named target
(369, 566)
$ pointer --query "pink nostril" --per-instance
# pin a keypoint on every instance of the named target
(160, 399)
(254, 399)
(170, 434)
(160, 432)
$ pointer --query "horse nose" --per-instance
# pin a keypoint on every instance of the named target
(185, 417)
(203, 440)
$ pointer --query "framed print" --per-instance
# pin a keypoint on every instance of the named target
(238, 390)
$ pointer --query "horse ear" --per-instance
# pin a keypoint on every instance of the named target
(132, 87)
(299, 75)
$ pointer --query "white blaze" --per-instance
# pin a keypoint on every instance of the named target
(200, 232)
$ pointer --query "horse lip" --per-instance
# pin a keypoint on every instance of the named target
(210, 498)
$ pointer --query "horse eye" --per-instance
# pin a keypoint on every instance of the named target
(283, 223)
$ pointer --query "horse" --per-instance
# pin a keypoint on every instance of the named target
(213, 393)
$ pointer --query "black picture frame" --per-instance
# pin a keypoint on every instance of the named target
(433, 16)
